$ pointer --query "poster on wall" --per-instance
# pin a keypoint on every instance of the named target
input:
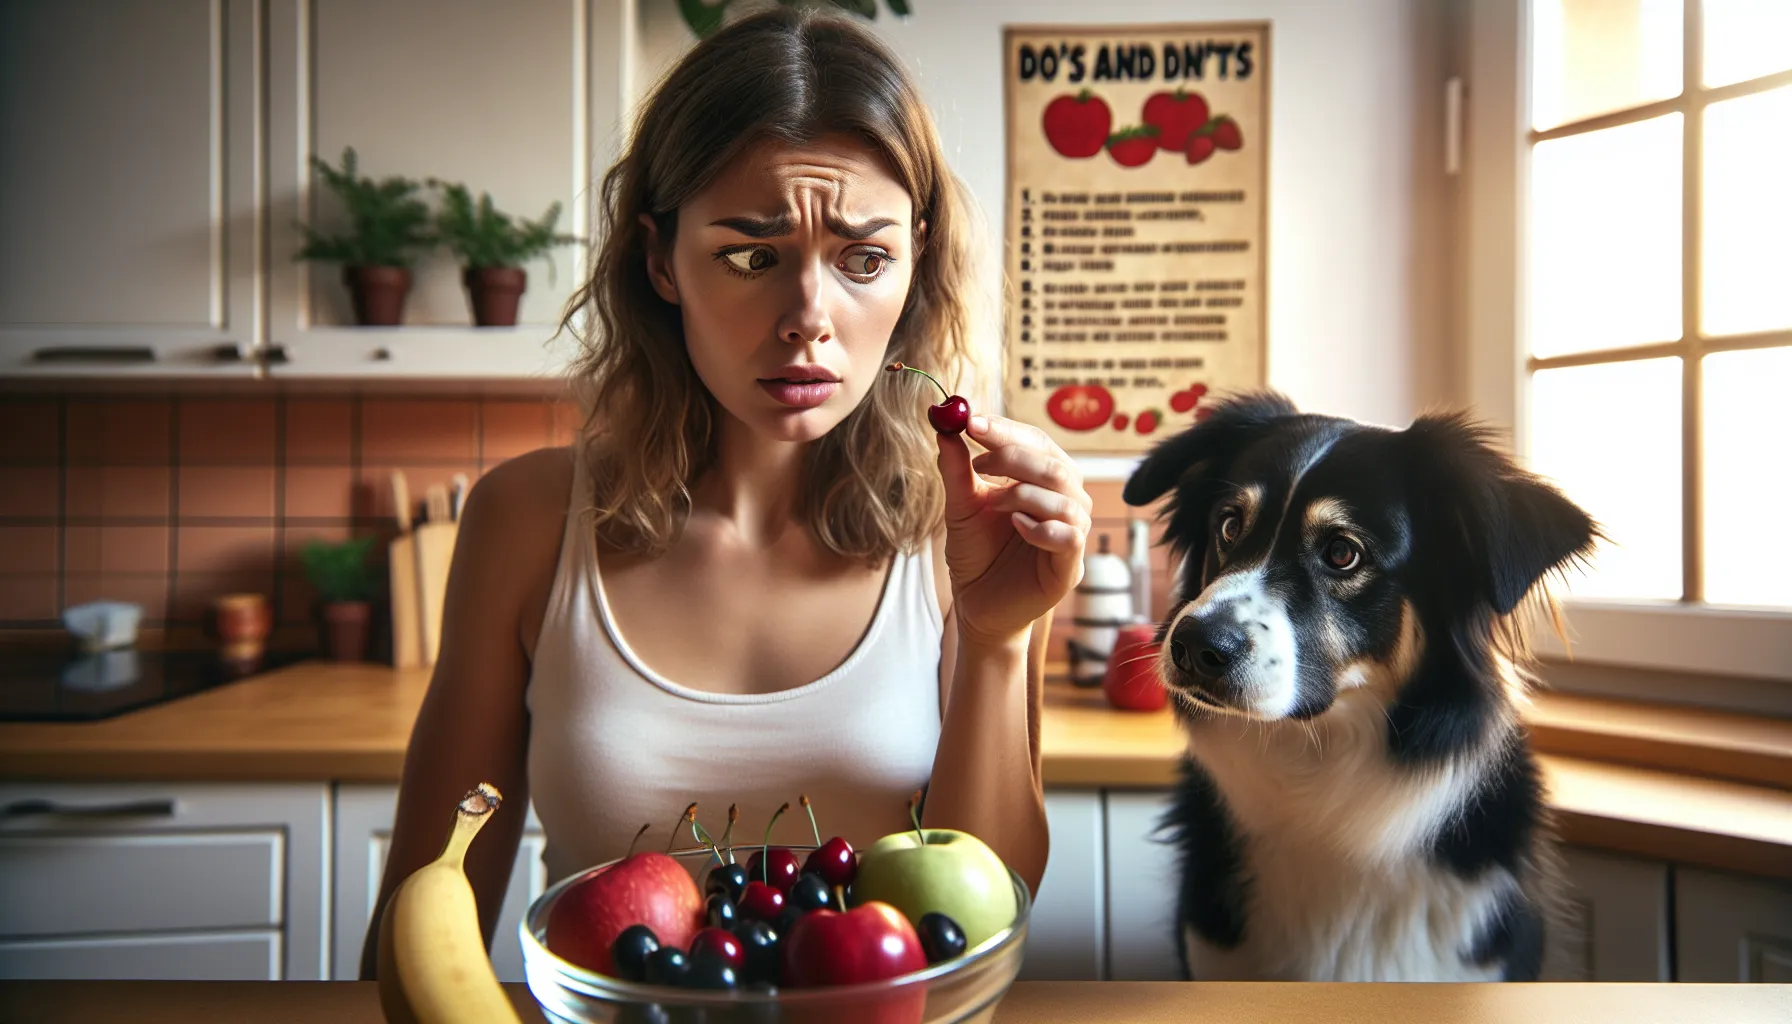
(1135, 228)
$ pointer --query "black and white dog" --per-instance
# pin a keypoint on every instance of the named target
(1359, 801)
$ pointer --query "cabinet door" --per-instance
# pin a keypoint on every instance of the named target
(1142, 885)
(129, 187)
(127, 873)
(363, 838)
(1064, 934)
(521, 99)
(1732, 927)
(1617, 927)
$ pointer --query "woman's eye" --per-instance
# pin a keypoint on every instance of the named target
(1230, 527)
(1343, 555)
(866, 264)
(750, 261)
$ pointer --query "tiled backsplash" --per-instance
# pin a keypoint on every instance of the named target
(170, 501)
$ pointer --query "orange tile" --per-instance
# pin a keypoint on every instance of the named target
(29, 598)
(319, 492)
(195, 592)
(116, 492)
(320, 430)
(373, 495)
(227, 432)
(418, 429)
(234, 491)
(509, 428)
(29, 491)
(223, 549)
(28, 549)
(117, 549)
(150, 590)
(30, 430)
(119, 431)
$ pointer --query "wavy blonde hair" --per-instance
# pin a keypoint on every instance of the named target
(792, 76)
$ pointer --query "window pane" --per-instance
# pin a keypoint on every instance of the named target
(1747, 425)
(1610, 437)
(1748, 212)
(1746, 39)
(1591, 57)
(1604, 238)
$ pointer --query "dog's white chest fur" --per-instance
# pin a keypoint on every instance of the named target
(1334, 843)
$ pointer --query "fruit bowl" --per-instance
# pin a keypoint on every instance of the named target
(965, 988)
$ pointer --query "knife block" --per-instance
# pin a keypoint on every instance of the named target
(434, 552)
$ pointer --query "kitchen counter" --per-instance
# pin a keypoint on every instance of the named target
(1028, 1002)
(320, 721)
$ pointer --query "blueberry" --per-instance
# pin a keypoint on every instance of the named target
(941, 938)
(764, 952)
(666, 965)
(720, 912)
(787, 919)
(809, 893)
(709, 970)
(728, 879)
(631, 949)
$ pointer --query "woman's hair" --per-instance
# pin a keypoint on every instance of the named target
(790, 76)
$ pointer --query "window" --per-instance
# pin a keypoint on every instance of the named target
(1650, 296)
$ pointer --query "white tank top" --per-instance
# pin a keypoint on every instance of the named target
(613, 745)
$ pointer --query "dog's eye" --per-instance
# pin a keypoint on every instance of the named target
(1343, 555)
(1230, 527)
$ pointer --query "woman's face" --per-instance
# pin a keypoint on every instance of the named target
(790, 271)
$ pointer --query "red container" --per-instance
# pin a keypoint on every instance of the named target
(1131, 683)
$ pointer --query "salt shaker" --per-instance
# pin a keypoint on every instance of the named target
(1103, 605)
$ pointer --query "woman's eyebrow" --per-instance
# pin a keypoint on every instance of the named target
(780, 224)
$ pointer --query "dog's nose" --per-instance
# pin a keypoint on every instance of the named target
(1206, 648)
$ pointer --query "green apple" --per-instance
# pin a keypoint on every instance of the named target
(952, 872)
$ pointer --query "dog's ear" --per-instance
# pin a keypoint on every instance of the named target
(1513, 527)
(1234, 423)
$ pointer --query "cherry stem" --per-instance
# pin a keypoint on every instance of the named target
(690, 814)
(804, 800)
(924, 373)
(701, 835)
(914, 815)
(733, 816)
(840, 897)
(638, 835)
(765, 846)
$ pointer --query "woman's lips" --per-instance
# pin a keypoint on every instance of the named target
(805, 395)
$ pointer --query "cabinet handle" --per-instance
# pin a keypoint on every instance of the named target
(275, 355)
(94, 354)
(163, 808)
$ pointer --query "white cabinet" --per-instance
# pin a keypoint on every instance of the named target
(364, 816)
(164, 881)
(130, 187)
(1617, 927)
(1142, 888)
(1732, 928)
(1065, 934)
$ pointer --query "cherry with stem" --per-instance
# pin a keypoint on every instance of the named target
(950, 416)
(765, 845)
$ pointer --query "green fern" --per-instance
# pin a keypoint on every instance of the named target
(482, 236)
(339, 572)
(388, 224)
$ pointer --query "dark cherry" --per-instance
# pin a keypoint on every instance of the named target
(719, 911)
(834, 861)
(631, 949)
(779, 868)
(760, 901)
(667, 965)
(809, 893)
(710, 970)
(728, 879)
(950, 416)
(762, 949)
(941, 938)
(724, 944)
(788, 918)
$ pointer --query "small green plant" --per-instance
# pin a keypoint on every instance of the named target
(482, 236)
(705, 16)
(339, 572)
(389, 225)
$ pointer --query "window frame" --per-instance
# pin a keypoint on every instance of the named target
(1687, 635)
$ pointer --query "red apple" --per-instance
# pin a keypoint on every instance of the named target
(1131, 683)
(647, 888)
(870, 942)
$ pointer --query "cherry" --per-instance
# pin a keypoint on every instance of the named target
(950, 416)
(666, 965)
(761, 950)
(719, 943)
(833, 860)
(809, 893)
(720, 911)
(727, 879)
(941, 938)
(709, 970)
(760, 901)
(630, 951)
(776, 866)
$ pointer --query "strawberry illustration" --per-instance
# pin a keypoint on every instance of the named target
(1077, 126)
(1147, 421)
(1133, 147)
(1119, 421)
(1200, 148)
(1176, 115)
(1226, 134)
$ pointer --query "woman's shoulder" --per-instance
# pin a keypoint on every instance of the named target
(524, 492)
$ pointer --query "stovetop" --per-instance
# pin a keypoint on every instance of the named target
(39, 686)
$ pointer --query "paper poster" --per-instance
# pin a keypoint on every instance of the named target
(1135, 226)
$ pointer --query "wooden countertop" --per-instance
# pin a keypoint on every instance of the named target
(321, 721)
(1028, 1002)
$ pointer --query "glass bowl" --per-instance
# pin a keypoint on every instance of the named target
(965, 988)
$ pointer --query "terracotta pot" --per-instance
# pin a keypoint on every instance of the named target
(346, 629)
(242, 622)
(379, 294)
(494, 292)
(1131, 683)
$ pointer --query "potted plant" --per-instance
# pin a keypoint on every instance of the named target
(388, 228)
(492, 248)
(705, 16)
(344, 584)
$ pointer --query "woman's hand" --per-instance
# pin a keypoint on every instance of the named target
(1016, 521)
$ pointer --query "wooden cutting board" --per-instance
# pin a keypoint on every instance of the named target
(435, 550)
(401, 560)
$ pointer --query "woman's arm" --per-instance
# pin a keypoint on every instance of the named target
(473, 726)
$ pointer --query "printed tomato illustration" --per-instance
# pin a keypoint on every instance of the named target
(1119, 421)
(1133, 147)
(1226, 134)
(1200, 148)
(1176, 116)
(1080, 406)
(1077, 126)
(1147, 421)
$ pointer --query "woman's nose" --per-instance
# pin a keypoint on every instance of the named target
(807, 319)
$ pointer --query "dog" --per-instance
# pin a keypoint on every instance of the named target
(1359, 801)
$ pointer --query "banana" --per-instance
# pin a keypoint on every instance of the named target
(433, 965)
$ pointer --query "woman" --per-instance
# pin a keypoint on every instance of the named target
(760, 573)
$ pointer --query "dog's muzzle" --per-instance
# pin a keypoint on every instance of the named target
(1209, 649)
